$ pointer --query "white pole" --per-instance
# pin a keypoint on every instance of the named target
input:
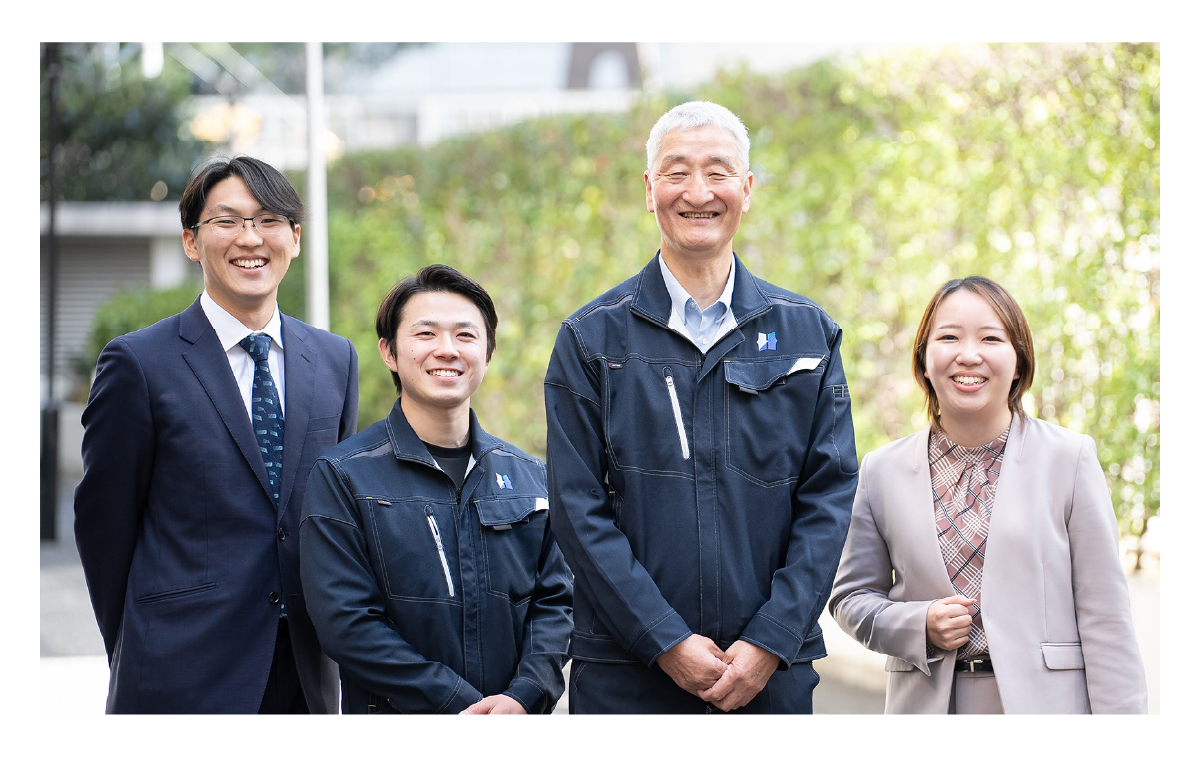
(315, 235)
(152, 59)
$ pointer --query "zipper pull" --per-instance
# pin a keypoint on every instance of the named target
(437, 540)
(675, 410)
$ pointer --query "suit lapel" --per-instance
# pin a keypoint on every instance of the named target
(1007, 504)
(208, 361)
(299, 374)
(927, 552)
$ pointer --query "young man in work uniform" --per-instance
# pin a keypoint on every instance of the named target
(426, 554)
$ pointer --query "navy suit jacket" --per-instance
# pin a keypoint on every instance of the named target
(186, 557)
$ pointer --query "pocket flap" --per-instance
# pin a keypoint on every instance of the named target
(505, 512)
(1063, 656)
(760, 374)
(897, 665)
(324, 424)
(804, 364)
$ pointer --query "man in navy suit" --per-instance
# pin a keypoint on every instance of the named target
(199, 435)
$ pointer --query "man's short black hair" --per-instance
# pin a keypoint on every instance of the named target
(432, 278)
(266, 184)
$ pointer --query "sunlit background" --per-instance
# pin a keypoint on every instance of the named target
(881, 171)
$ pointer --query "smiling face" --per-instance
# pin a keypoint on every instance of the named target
(698, 191)
(441, 353)
(242, 272)
(971, 363)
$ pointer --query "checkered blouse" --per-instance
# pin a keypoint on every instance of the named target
(964, 483)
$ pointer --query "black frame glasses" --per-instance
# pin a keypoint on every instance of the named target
(255, 220)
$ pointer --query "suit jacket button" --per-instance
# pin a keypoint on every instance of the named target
(282, 534)
(274, 597)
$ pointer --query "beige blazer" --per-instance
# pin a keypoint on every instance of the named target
(1054, 601)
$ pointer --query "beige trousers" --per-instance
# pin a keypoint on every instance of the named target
(975, 694)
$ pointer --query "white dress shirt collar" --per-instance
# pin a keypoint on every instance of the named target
(231, 331)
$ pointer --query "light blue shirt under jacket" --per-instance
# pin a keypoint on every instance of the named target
(702, 327)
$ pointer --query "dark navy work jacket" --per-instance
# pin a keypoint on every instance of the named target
(188, 562)
(428, 598)
(699, 493)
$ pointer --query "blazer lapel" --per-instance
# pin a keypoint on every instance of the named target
(1010, 505)
(919, 516)
(211, 366)
(299, 374)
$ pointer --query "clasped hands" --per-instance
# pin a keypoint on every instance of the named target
(728, 679)
(496, 704)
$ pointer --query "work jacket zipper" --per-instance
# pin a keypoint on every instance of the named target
(437, 538)
(683, 445)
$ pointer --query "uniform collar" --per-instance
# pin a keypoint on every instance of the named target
(652, 300)
(680, 296)
(407, 445)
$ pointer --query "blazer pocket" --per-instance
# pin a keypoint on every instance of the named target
(323, 424)
(897, 665)
(173, 594)
(1063, 655)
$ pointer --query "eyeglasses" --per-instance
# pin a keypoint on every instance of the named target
(231, 226)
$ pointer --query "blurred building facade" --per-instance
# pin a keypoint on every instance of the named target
(421, 95)
(103, 248)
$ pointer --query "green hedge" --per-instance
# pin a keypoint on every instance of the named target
(876, 179)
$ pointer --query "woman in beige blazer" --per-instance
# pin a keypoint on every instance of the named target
(1024, 526)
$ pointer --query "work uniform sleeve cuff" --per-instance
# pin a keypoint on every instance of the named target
(464, 696)
(773, 636)
(529, 694)
(658, 638)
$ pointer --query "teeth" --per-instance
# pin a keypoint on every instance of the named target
(444, 372)
(968, 380)
(699, 215)
(249, 263)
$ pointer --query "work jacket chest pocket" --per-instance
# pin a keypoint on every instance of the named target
(769, 410)
(416, 544)
(513, 529)
(648, 410)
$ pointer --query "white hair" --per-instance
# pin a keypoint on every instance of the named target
(694, 115)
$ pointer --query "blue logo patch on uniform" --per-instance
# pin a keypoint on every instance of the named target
(503, 482)
(767, 341)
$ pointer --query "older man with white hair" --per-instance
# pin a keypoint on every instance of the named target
(701, 456)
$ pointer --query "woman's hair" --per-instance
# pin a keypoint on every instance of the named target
(1014, 324)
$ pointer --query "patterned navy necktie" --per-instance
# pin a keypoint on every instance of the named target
(265, 411)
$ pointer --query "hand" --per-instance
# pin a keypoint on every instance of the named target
(497, 704)
(694, 664)
(750, 667)
(948, 620)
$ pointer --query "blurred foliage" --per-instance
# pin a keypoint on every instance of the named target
(1037, 166)
(136, 309)
(120, 134)
(140, 307)
(877, 178)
